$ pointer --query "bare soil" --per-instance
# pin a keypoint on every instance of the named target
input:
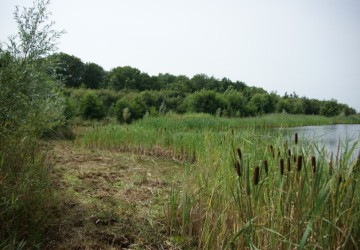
(109, 200)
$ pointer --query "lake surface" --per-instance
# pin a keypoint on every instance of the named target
(331, 136)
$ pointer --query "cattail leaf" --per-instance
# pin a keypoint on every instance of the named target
(323, 194)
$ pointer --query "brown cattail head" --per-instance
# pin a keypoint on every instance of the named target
(278, 154)
(266, 166)
(289, 153)
(256, 175)
(193, 159)
(313, 164)
(282, 166)
(239, 153)
(296, 138)
(299, 163)
(330, 164)
(339, 179)
(288, 165)
(272, 151)
(238, 168)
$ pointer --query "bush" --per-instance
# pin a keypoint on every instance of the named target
(129, 110)
(91, 107)
(70, 108)
(205, 101)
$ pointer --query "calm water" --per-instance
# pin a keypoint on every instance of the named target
(331, 135)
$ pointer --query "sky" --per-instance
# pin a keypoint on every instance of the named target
(311, 47)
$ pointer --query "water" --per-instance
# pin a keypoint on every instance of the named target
(333, 137)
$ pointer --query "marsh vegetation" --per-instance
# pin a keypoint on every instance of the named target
(246, 185)
(101, 160)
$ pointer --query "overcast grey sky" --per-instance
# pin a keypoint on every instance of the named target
(311, 47)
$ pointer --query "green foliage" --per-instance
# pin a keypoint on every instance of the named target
(239, 99)
(330, 108)
(130, 109)
(128, 78)
(94, 76)
(30, 104)
(30, 100)
(263, 103)
(68, 69)
(70, 108)
(91, 107)
(205, 101)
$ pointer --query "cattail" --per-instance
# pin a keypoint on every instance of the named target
(295, 159)
(330, 164)
(266, 166)
(238, 168)
(299, 163)
(313, 164)
(288, 165)
(296, 138)
(256, 175)
(239, 153)
(339, 179)
(357, 164)
(278, 154)
(282, 166)
(272, 151)
(289, 153)
(193, 159)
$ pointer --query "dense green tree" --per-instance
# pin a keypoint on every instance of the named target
(125, 78)
(201, 81)
(205, 101)
(236, 102)
(330, 108)
(291, 105)
(91, 107)
(311, 106)
(283, 105)
(128, 109)
(68, 69)
(165, 80)
(94, 76)
(346, 110)
(262, 103)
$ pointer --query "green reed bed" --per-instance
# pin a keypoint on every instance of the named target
(207, 122)
(247, 187)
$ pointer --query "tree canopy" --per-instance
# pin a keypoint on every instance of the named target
(179, 93)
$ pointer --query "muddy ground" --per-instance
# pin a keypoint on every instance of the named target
(110, 200)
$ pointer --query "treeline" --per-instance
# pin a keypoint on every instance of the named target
(129, 94)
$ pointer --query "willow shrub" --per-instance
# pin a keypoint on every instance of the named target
(30, 103)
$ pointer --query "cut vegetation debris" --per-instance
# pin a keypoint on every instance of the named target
(110, 200)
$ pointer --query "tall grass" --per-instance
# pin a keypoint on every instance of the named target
(237, 191)
(25, 195)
